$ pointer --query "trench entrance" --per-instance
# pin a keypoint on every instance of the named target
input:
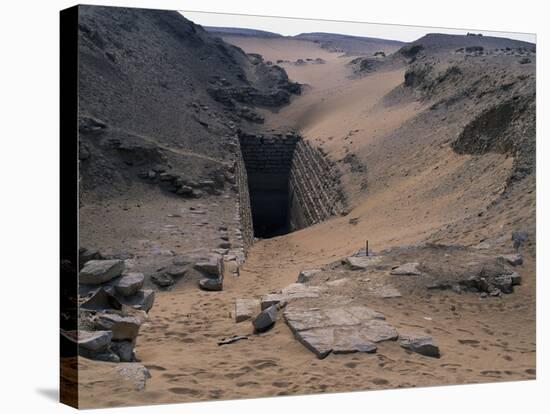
(268, 162)
(290, 184)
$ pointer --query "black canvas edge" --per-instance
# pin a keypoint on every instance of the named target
(68, 147)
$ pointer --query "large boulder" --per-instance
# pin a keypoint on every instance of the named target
(96, 272)
(419, 343)
(265, 320)
(129, 284)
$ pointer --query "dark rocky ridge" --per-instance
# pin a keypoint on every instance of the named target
(148, 79)
(351, 45)
(439, 42)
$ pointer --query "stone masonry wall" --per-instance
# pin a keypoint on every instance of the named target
(244, 212)
(292, 185)
(314, 187)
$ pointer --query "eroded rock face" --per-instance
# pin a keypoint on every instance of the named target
(342, 330)
(96, 272)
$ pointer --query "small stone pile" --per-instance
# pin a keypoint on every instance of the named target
(113, 306)
(186, 187)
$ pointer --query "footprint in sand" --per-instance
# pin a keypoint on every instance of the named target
(155, 368)
(491, 373)
(380, 381)
(472, 342)
(247, 383)
(185, 391)
(281, 384)
(264, 363)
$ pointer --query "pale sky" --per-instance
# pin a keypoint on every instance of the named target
(293, 26)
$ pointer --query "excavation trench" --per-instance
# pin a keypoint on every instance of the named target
(286, 185)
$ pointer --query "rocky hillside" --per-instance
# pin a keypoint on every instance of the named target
(438, 43)
(157, 91)
(352, 45)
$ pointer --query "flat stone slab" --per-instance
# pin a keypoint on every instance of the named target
(129, 283)
(420, 343)
(363, 262)
(319, 341)
(273, 299)
(350, 340)
(407, 269)
(300, 291)
(96, 272)
(340, 330)
(246, 309)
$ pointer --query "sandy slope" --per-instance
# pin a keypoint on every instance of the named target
(416, 184)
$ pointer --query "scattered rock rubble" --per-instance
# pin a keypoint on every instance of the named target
(326, 309)
(113, 306)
